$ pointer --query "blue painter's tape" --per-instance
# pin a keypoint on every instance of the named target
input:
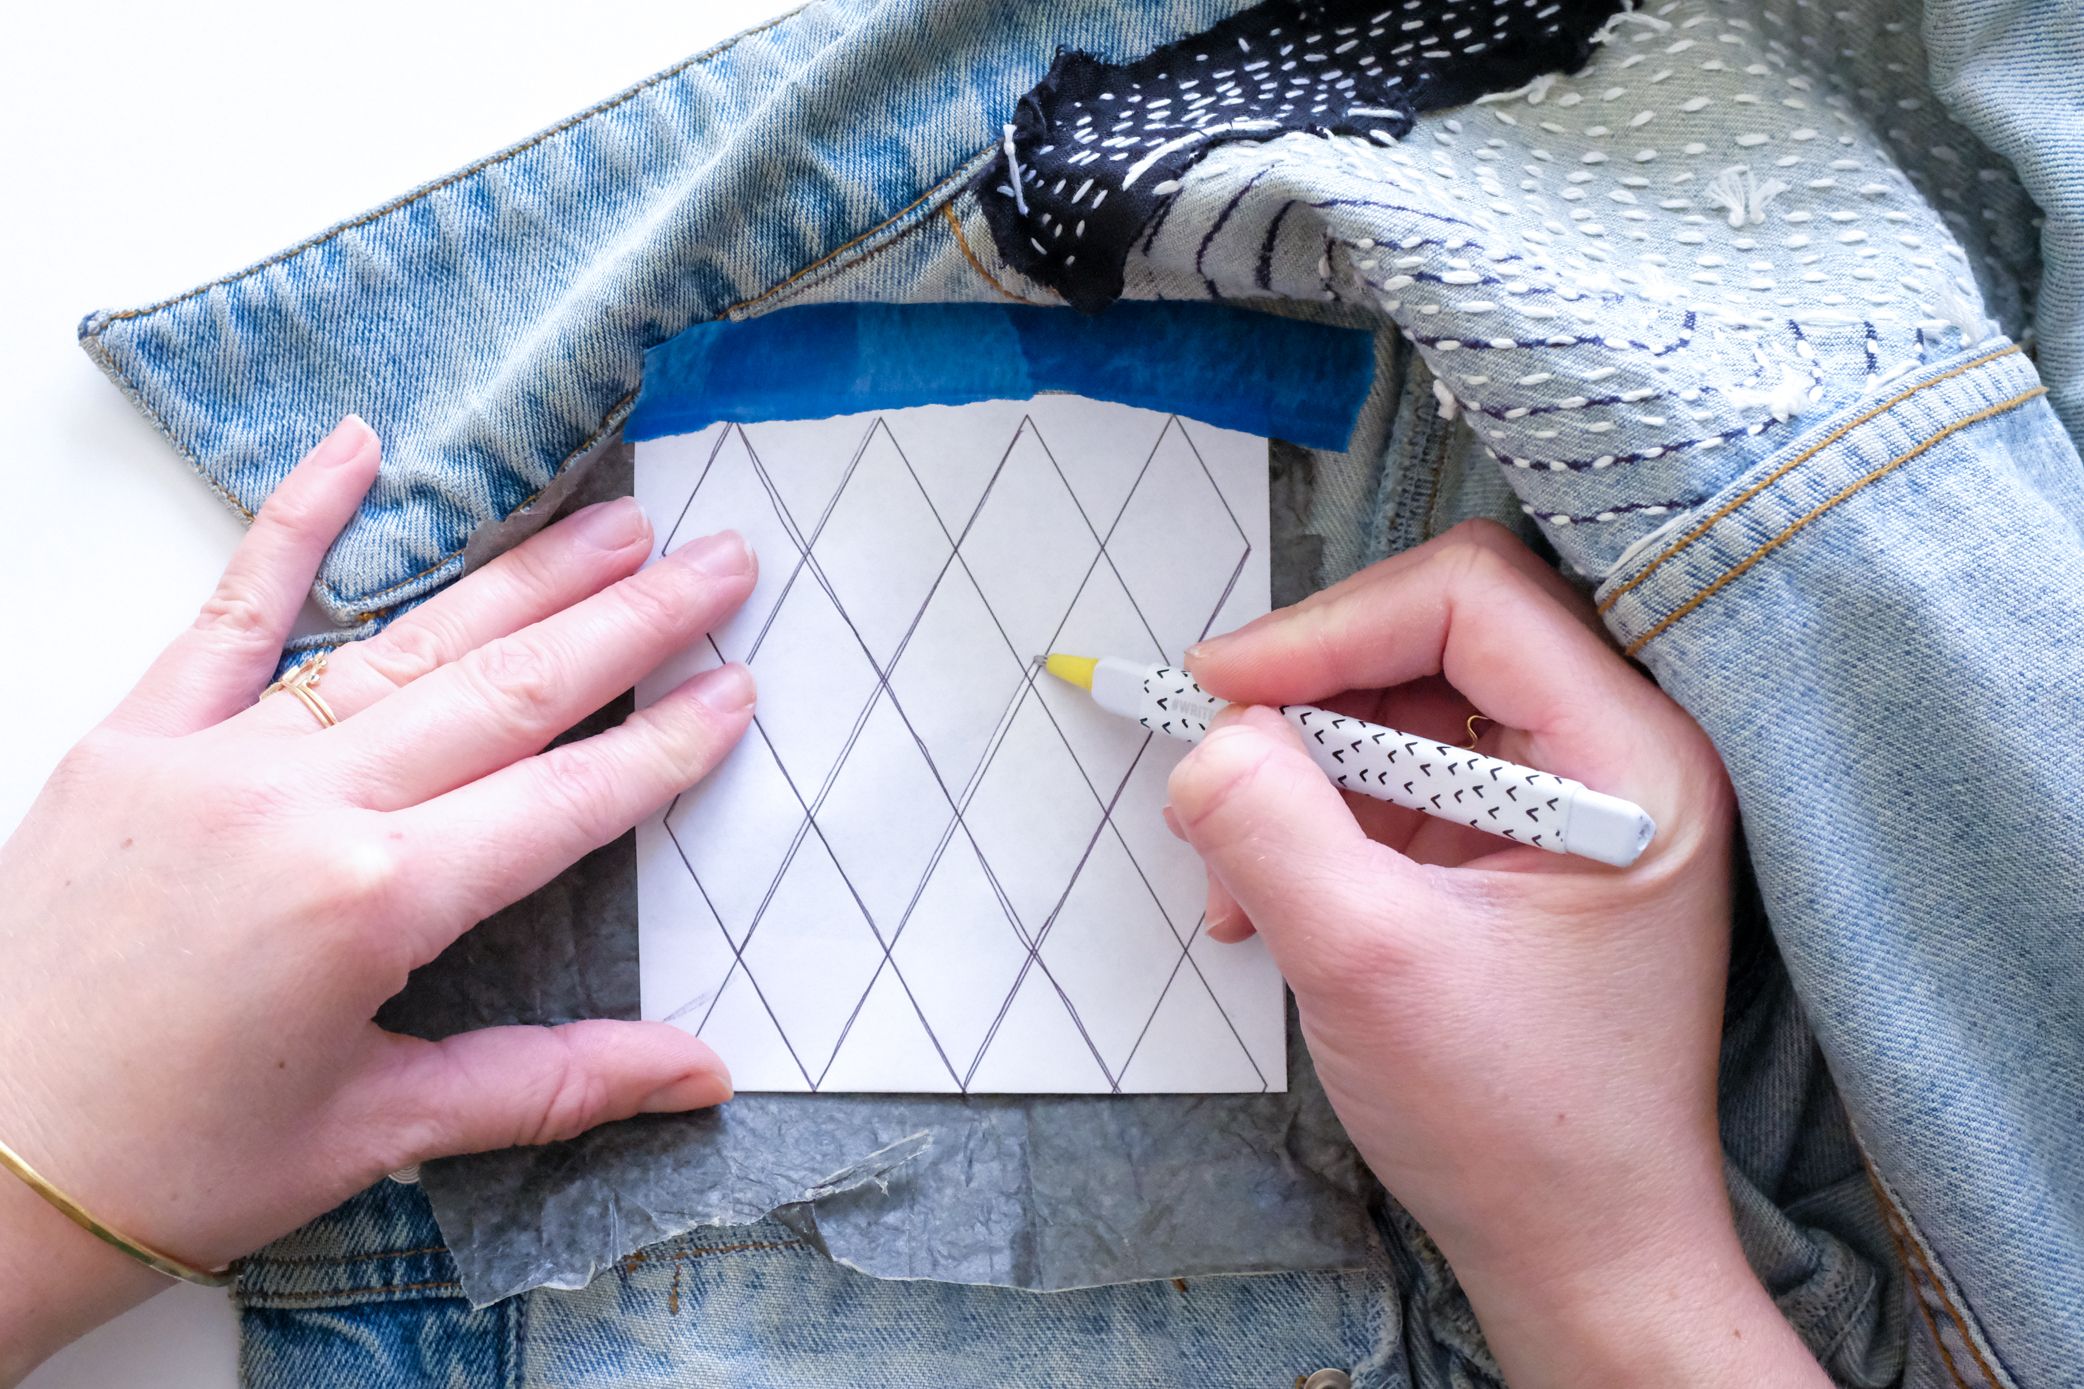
(1261, 374)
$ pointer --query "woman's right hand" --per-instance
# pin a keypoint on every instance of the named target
(1522, 1045)
(212, 896)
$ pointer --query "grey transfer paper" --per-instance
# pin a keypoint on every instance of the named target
(1031, 1192)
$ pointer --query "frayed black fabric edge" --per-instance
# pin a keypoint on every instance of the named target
(1511, 62)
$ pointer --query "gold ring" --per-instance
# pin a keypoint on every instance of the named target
(302, 681)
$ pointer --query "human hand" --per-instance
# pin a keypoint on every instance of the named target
(211, 897)
(1522, 1045)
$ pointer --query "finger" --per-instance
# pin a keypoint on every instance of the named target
(1462, 607)
(569, 561)
(504, 1086)
(1274, 831)
(502, 837)
(219, 665)
(1223, 918)
(508, 698)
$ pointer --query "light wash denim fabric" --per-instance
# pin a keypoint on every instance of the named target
(1727, 317)
(1879, 629)
(758, 1307)
(2012, 71)
(367, 1296)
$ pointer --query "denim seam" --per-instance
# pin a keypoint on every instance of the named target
(1955, 1313)
(950, 186)
(1440, 444)
(679, 1258)
(515, 1346)
(1606, 604)
(612, 421)
(798, 283)
(308, 1260)
(116, 372)
(1917, 1296)
(1910, 1249)
(1737, 570)
(962, 243)
(321, 1294)
(643, 1256)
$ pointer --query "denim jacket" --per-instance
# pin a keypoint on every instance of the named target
(1765, 321)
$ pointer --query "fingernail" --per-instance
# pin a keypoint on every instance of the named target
(727, 689)
(724, 555)
(1195, 652)
(1262, 718)
(1172, 823)
(346, 442)
(697, 1091)
(612, 525)
(1225, 918)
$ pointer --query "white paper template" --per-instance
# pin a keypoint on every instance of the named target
(930, 867)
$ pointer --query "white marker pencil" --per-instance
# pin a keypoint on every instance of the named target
(1486, 793)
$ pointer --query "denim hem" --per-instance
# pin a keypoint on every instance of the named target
(342, 607)
(1714, 545)
(357, 609)
(1970, 1361)
(367, 1295)
(730, 227)
(381, 1246)
(932, 205)
(347, 1278)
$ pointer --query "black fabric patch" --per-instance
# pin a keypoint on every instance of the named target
(1096, 149)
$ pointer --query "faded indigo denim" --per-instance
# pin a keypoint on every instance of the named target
(1740, 320)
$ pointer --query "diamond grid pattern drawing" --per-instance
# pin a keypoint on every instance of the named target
(925, 869)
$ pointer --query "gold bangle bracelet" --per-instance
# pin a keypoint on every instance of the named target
(143, 1253)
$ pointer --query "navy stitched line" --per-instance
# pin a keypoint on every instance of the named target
(1395, 207)
(1512, 413)
(1229, 208)
(1613, 460)
(1613, 513)
(1264, 279)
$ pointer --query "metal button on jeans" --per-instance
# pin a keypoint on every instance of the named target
(1327, 1379)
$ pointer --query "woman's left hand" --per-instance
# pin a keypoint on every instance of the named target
(206, 906)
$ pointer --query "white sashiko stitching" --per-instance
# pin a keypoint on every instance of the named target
(1633, 281)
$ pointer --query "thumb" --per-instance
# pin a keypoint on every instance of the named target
(502, 1086)
(1277, 835)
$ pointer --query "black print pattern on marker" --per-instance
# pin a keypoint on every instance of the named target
(1097, 148)
(1361, 763)
(1170, 684)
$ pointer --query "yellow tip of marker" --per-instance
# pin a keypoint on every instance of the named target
(1072, 670)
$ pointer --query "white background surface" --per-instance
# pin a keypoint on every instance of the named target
(151, 147)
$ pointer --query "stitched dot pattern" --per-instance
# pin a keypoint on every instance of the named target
(1095, 150)
(1634, 281)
